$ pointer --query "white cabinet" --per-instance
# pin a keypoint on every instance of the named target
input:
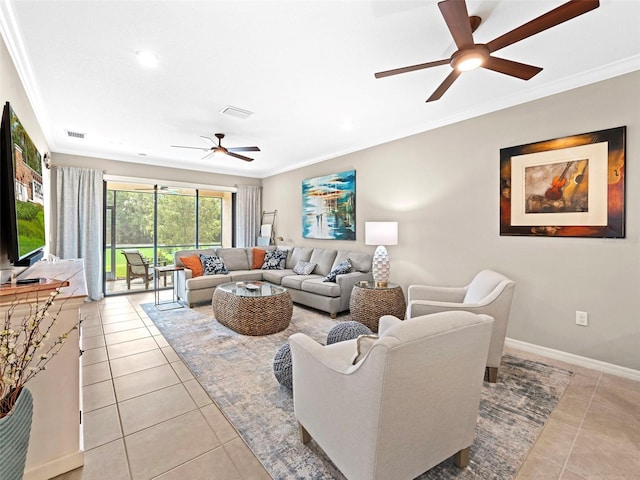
(55, 442)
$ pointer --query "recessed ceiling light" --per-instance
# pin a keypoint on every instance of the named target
(347, 124)
(147, 58)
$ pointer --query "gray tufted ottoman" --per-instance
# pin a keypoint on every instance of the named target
(347, 331)
(282, 367)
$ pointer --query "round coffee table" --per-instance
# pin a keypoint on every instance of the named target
(252, 308)
(368, 303)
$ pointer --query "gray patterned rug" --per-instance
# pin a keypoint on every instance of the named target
(237, 373)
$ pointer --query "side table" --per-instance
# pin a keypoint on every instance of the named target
(368, 303)
(164, 269)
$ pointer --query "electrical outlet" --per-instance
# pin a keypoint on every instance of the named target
(581, 318)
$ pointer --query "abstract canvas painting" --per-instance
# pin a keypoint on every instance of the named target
(329, 206)
(566, 187)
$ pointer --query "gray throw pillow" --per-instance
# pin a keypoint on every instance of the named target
(304, 268)
(274, 260)
(212, 265)
(342, 268)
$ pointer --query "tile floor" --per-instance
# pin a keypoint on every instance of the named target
(145, 415)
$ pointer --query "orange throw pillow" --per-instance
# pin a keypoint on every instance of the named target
(194, 264)
(258, 258)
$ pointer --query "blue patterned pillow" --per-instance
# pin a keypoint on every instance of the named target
(274, 260)
(343, 267)
(212, 264)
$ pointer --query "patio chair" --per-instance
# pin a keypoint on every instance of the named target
(137, 267)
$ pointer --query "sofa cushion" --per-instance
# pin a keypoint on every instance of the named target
(296, 281)
(299, 254)
(234, 258)
(275, 276)
(207, 281)
(323, 259)
(212, 265)
(275, 260)
(361, 261)
(193, 263)
(319, 286)
(304, 268)
(258, 257)
(341, 269)
(245, 275)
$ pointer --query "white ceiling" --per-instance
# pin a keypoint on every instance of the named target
(303, 67)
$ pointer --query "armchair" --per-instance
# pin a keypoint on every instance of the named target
(137, 267)
(409, 404)
(489, 292)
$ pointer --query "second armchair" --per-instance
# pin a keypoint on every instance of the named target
(489, 293)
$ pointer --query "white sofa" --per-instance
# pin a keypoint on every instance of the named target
(309, 290)
(409, 404)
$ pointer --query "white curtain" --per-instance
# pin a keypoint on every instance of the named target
(79, 222)
(248, 211)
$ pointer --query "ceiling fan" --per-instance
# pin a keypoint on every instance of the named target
(471, 55)
(218, 149)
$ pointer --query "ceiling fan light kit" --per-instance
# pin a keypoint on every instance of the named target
(467, 60)
(471, 55)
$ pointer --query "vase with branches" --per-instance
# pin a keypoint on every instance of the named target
(26, 344)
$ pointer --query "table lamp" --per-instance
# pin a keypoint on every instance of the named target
(381, 234)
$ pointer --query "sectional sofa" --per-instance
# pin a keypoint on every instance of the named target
(310, 290)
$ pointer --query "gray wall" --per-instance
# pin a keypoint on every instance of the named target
(442, 186)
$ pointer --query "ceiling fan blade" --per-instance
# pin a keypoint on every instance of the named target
(195, 148)
(396, 71)
(241, 157)
(456, 17)
(550, 19)
(444, 86)
(509, 67)
(243, 149)
(208, 140)
(208, 155)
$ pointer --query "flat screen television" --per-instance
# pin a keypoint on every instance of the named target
(22, 230)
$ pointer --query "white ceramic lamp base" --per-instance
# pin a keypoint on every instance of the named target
(381, 267)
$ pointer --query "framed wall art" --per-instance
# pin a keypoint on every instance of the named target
(566, 187)
(329, 206)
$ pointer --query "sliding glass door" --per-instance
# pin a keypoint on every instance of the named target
(149, 223)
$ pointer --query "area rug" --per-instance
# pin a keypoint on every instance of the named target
(237, 372)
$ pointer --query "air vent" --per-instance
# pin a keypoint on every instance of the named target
(75, 134)
(236, 112)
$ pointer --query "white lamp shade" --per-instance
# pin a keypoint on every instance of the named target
(381, 233)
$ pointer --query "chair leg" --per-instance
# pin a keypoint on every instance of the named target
(461, 458)
(333, 315)
(492, 374)
(305, 437)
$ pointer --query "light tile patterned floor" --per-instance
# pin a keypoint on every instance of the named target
(146, 417)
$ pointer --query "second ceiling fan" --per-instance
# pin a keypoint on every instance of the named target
(471, 55)
(218, 149)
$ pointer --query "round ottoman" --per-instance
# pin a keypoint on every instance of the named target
(347, 331)
(282, 368)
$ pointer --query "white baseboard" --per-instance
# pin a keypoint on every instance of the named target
(575, 359)
(55, 467)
